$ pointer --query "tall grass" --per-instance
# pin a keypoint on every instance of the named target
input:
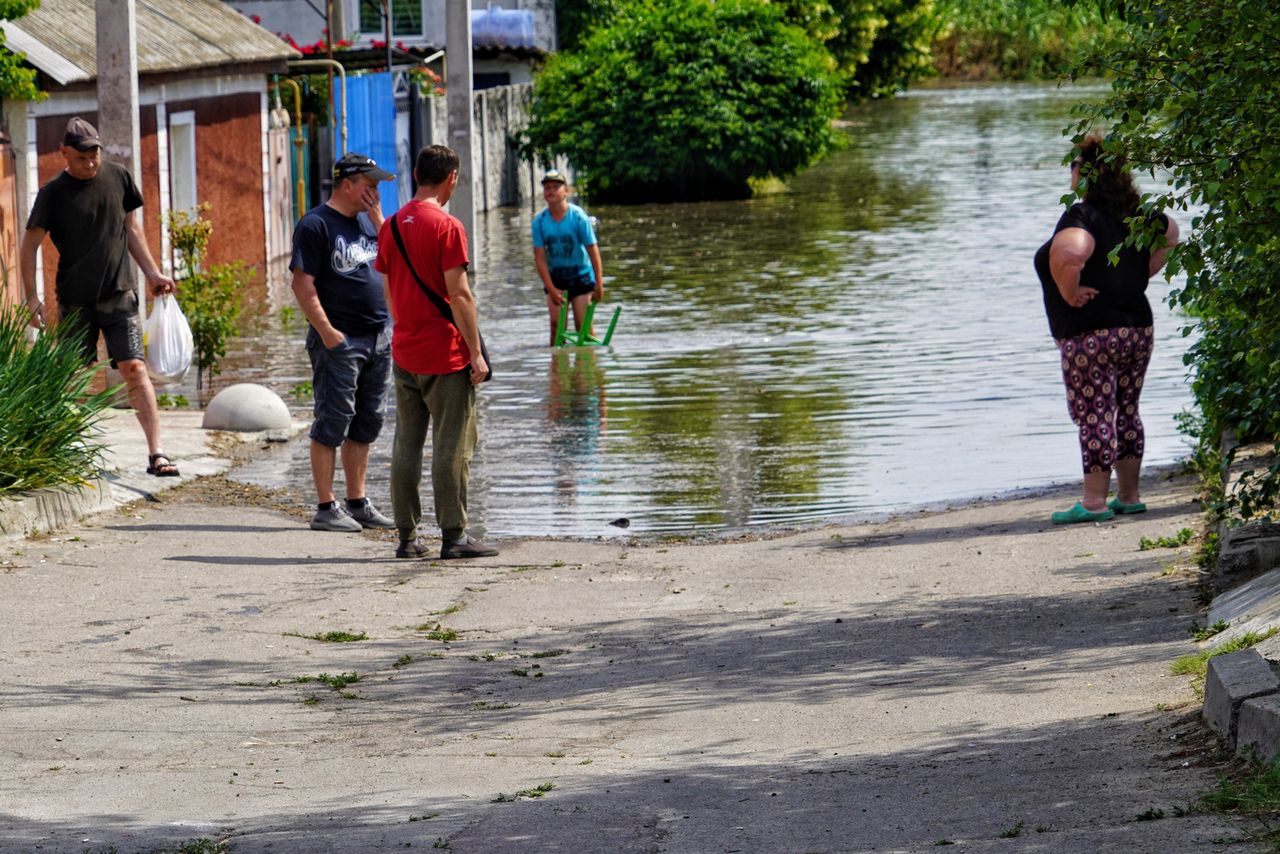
(46, 411)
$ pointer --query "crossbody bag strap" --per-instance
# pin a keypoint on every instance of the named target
(441, 305)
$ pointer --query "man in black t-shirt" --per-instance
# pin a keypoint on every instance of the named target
(349, 339)
(88, 212)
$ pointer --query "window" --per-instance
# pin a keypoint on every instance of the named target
(406, 17)
(182, 161)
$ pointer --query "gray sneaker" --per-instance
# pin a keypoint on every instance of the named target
(369, 517)
(336, 519)
(468, 546)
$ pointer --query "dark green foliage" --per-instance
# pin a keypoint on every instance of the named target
(576, 18)
(17, 80)
(46, 411)
(1195, 93)
(687, 99)
(1015, 39)
(879, 46)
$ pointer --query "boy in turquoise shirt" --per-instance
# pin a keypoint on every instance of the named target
(565, 253)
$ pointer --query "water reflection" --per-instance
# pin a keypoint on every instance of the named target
(867, 340)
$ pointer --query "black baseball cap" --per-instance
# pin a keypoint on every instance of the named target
(358, 164)
(81, 135)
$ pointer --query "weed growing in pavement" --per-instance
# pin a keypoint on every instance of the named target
(452, 609)
(1203, 634)
(1012, 832)
(1253, 792)
(1178, 540)
(202, 846)
(554, 754)
(1197, 664)
(329, 637)
(437, 632)
(485, 706)
(536, 792)
(550, 653)
(1150, 814)
(1207, 558)
(402, 661)
(519, 671)
(302, 390)
(440, 843)
(424, 816)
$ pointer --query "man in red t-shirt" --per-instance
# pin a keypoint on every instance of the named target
(435, 363)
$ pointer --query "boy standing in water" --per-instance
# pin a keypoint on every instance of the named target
(565, 253)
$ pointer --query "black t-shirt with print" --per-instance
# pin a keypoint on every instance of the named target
(87, 222)
(1122, 288)
(338, 251)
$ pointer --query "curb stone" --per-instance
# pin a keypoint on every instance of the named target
(56, 507)
(1229, 682)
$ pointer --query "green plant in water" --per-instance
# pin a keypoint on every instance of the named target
(47, 415)
(303, 390)
(212, 296)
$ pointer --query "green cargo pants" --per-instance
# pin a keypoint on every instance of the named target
(446, 403)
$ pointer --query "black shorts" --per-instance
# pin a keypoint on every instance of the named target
(577, 284)
(115, 319)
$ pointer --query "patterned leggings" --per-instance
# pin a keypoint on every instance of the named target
(1103, 371)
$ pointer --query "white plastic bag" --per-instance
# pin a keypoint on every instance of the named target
(167, 339)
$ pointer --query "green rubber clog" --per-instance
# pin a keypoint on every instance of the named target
(1078, 513)
(1120, 507)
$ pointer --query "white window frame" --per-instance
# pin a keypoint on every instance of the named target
(183, 191)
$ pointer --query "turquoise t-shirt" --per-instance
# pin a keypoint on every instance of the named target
(566, 241)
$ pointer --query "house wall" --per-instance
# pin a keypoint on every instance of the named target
(231, 161)
(229, 175)
(301, 22)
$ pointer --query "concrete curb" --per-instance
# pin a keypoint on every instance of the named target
(51, 509)
(122, 478)
(1230, 681)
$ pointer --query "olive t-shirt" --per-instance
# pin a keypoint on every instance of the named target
(1122, 287)
(87, 222)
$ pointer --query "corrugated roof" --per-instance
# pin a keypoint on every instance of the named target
(60, 38)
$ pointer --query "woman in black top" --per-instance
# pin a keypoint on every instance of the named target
(1099, 316)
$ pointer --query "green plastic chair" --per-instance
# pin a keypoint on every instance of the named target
(583, 337)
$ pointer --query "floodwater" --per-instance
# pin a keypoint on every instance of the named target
(868, 340)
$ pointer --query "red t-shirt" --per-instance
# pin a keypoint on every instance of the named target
(423, 342)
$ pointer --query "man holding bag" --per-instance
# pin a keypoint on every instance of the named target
(88, 212)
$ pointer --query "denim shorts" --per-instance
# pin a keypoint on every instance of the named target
(350, 386)
(115, 319)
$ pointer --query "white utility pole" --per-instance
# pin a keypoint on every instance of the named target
(458, 100)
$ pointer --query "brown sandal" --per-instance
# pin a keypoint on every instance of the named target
(161, 466)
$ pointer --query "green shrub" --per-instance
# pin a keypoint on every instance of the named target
(1195, 94)
(679, 100)
(46, 411)
(211, 297)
